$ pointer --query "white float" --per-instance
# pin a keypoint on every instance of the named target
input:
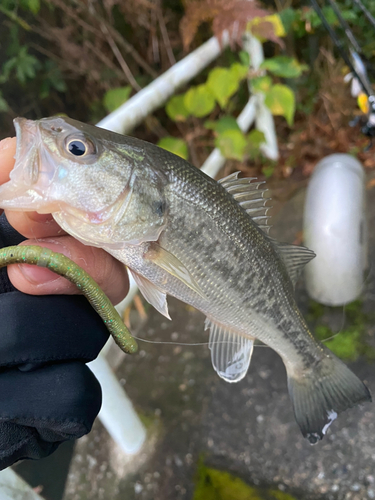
(335, 228)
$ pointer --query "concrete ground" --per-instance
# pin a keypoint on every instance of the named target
(247, 428)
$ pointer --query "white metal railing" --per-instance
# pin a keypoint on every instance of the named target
(117, 413)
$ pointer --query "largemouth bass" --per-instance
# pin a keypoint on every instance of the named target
(181, 233)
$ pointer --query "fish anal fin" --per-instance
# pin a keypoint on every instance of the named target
(230, 352)
(173, 266)
(152, 294)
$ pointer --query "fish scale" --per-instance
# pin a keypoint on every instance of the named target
(182, 233)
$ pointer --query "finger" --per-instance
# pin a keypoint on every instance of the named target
(109, 273)
(34, 225)
(7, 153)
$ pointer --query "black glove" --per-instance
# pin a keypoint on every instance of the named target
(47, 393)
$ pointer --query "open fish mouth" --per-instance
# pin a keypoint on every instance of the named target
(22, 191)
(27, 157)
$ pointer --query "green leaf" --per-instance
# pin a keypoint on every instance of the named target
(176, 109)
(287, 17)
(238, 71)
(113, 98)
(199, 101)
(24, 64)
(256, 138)
(232, 144)
(284, 66)
(280, 99)
(174, 145)
(225, 123)
(3, 104)
(222, 84)
(261, 84)
(244, 58)
(268, 170)
(31, 5)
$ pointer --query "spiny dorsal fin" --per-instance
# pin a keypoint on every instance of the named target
(249, 196)
(294, 257)
(230, 352)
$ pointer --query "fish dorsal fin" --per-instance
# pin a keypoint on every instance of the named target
(294, 257)
(230, 352)
(152, 294)
(249, 197)
(173, 266)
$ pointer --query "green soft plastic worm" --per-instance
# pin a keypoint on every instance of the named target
(63, 266)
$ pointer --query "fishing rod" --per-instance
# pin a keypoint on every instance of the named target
(366, 98)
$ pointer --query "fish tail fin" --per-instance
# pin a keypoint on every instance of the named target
(321, 393)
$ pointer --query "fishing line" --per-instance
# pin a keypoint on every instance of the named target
(365, 11)
(339, 46)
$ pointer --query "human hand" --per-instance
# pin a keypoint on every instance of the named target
(47, 394)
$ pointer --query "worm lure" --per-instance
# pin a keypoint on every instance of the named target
(65, 267)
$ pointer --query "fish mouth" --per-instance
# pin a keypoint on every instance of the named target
(28, 140)
(18, 192)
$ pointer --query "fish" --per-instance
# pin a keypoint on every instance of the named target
(183, 234)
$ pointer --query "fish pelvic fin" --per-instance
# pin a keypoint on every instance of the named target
(321, 393)
(230, 352)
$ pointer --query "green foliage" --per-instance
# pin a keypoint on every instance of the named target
(23, 65)
(199, 101)
(268, 170)
(232, 144)
(3, 104)
(176, 109)
(113, 98)
(351, 341)
(223, 124)
(261, 84)
(280, 99)
(284, 66)
(214, 484)
(175, 145)
(224, 83)
(52, 79)
(31, 5)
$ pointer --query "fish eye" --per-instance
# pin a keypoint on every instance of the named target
(80, 147)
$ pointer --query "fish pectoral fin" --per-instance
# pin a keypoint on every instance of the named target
(294, 257)
(152, 294)
(173, 266)
(230, 352)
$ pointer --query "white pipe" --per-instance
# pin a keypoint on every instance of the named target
(335, 228)
(263, 118)
(117, 413)
(12, 487)
(157, 93)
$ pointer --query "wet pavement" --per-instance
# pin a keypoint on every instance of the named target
(247, 428)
